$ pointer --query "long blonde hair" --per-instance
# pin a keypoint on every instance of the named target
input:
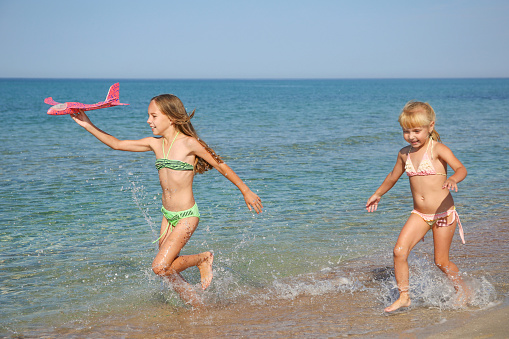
(418, 114)
(171, 105)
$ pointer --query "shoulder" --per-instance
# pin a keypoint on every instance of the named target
(439, 145)
(152, 142)
(445, 154)
(190, 143)
(404, 151)
(439, 148)
(402, 155)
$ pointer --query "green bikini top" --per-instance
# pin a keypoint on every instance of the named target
(176, 165)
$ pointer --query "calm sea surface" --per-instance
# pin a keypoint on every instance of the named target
(77, 219)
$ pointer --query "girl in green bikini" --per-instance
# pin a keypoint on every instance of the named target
(179, 155)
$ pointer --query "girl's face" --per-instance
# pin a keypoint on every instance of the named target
(157, 120)
(418, 136)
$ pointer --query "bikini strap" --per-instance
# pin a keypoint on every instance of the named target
(431, 151)
(169, 149)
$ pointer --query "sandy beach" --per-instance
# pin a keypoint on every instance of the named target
(487, 324)
(327, 315)
(304, 317)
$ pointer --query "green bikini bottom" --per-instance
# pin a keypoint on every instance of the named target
(174, 217)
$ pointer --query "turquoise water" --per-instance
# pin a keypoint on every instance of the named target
(77, 219)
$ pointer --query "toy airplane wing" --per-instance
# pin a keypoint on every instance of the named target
(112, 99)
(50, 101)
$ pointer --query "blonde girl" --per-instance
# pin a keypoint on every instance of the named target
(425, 161)
(179, 155)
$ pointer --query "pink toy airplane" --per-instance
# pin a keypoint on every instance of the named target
(74, 107)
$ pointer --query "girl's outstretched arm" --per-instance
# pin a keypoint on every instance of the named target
(387, 184)
(142, 145)
(460, 172)
(253, 201)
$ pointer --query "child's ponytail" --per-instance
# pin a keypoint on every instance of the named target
(434, 135)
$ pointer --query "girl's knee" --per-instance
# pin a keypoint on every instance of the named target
(400, 252)
(442, 263)
(157, 269)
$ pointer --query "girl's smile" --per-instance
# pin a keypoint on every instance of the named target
(157, 120)
(417, 136)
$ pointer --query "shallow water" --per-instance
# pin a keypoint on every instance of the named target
(77, 219)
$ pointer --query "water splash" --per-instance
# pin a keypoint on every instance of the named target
(430, 287)
(139, 197)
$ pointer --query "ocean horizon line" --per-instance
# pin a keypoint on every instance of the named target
(250, 79)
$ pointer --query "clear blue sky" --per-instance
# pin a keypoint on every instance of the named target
(254, 39)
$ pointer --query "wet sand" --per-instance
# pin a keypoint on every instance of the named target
(304, 317)
(483, 324)
(318, 314)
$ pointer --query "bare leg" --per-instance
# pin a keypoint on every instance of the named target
(184, 290)
(413, 231)
(442, 239)
(206, 270)
(203, 261)
(169, 264)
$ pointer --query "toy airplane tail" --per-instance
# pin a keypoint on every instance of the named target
(113, 95)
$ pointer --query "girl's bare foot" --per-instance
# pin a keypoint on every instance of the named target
(463, 295)
(206, 269)
(403, 301)
(185, 291)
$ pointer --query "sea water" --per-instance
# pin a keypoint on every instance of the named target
(77, 219)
